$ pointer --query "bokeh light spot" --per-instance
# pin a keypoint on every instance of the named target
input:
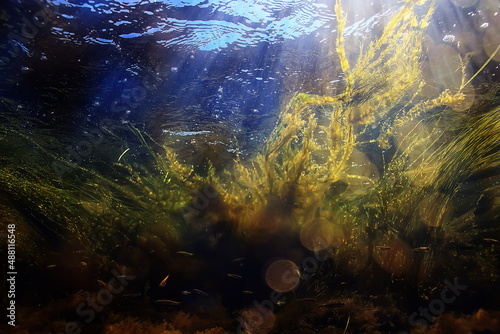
(283, 276)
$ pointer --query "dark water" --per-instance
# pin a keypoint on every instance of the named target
(93, 90)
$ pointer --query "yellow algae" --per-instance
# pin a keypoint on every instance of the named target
(436, 209)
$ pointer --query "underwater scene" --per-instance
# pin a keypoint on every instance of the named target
(248, 166)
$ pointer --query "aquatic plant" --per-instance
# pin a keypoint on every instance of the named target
(318, 140)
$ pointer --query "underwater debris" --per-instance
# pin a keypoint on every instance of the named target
(121, 155)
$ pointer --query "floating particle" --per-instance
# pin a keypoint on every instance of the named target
(449, 38)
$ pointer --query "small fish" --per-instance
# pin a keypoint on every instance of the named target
(84, 264)
(383, 247)
(102, 283)
(279, 303)
(466, 246)
(238, 259)
(167, 302)
(186, 292)
(490, 240)
(200, 292)
(247, 292)
(332, 305)
(234, 276)
(421, 249)
(50, 266)
(162, 283)
(185, 253)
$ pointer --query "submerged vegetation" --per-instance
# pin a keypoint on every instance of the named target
(393, 179)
